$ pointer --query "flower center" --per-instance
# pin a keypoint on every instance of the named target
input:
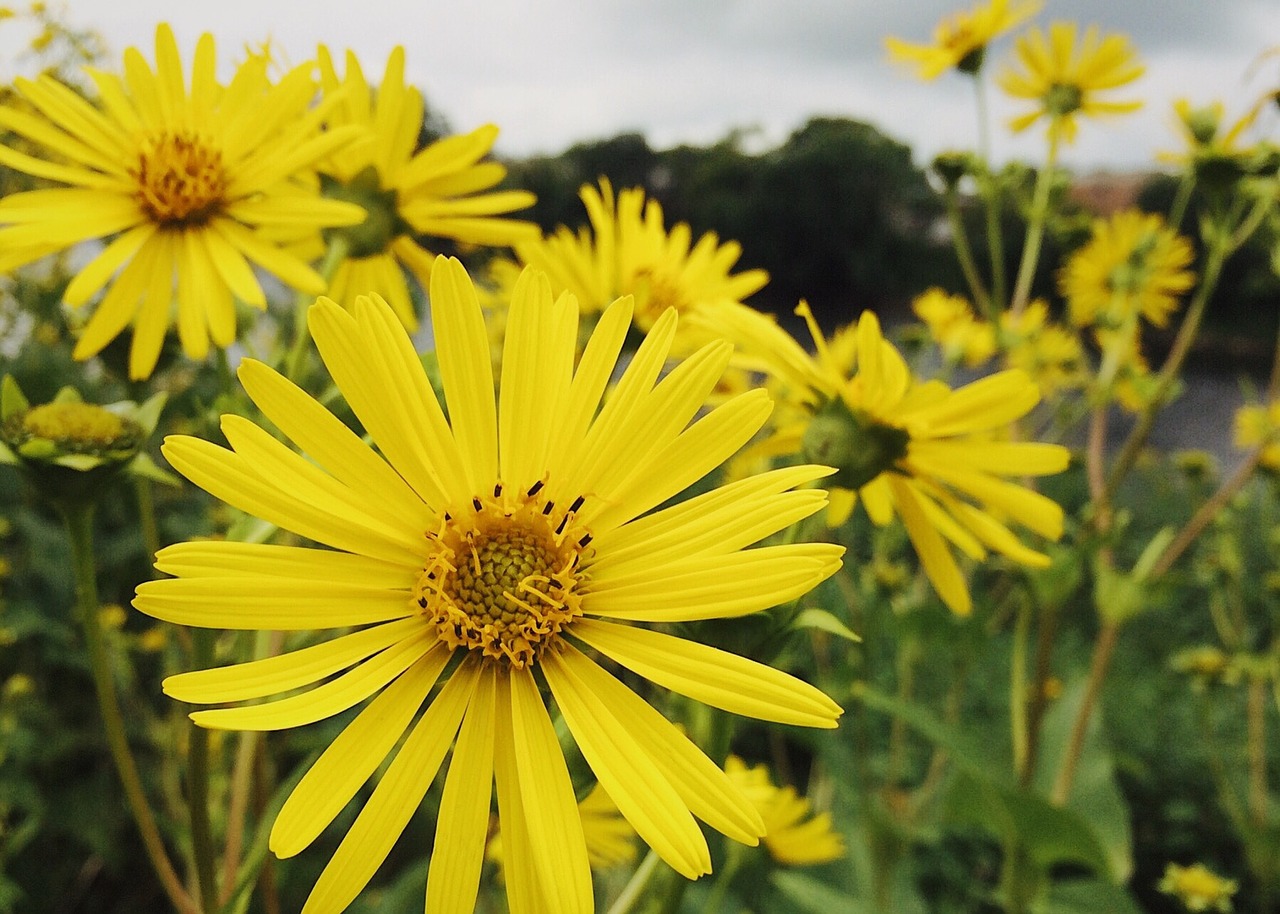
(180, 178)
(656, 292)
(1063, 99)
(503, 577)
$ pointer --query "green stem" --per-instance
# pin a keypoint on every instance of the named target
(637, 886)
(737, 855)
(79, 522)
(1035, 226)
(145, 491)
(989, 187)
(1103, 648)
(334, 255)
(1018, 690)
(198, 786)
(1178, 211)
(1035, 713)
(960, 241)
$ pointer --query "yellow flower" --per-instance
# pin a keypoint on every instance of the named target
(1198, 887)
(434, 191)
(181, 178)
(511, 538)
(1256, 425)
(930, 454)
(632, 253)
(793, 835)
(955, 328)
(610, 839)
(1133, 264)
(960, 40)
(1048, 352)
(1065, 80)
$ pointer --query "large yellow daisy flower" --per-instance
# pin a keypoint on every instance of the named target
(492, 553)
(180, 178)
(632, 253)
(932, 455)
(409, 191)
(960, 40)
(1133, 264)
(1065, 79)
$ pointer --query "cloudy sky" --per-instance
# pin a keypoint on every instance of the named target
(552, 72)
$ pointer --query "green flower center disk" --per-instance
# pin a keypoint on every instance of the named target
(503, 578)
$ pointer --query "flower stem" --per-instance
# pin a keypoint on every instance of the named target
(1018, 691)
(334, 255)
(1035, 226)
(960, 241)
(79, 522)
(1103, 648)
(637, 886)
(198, 786)
(990, 190)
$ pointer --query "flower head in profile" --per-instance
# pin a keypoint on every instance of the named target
(444, 190)
(484, 557)
(1198, 888)
(794, 835)
(182, 179)
(1133, 264)
(1067, 75)
(1213, 150)
(960, 40)
(959, 333)
(68, 448)
(628, 250)
(931, 455)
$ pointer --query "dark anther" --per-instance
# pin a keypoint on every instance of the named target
(497, 490)
(534, 489)
(475, 503)
(548, 507)
(422, 601)
(585, 541)
(560, 527)
(577, 503)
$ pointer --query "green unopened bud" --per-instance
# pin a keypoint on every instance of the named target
(382, 222)
(1203, 123)
(953, 166)
(857, 446)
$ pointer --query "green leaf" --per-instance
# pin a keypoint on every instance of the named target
(12, 399)
(824, 621)
(1048, 835)
(1088, 896)
(813, 895)
(967, 748)
(1095, 794)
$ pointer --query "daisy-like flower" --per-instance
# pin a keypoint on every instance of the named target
(929, 454)
(629, 251)
(1133, 264)
(492, 554)
(960, 40)
(1198, 888)
(178, 179)
(794, 836)
(1047, 351)
(1065, 79)
(1258, 425)
(954, 327)
(443, 190)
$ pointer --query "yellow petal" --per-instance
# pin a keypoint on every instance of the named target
(626, 768)
(354, 755)
(711, 676)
